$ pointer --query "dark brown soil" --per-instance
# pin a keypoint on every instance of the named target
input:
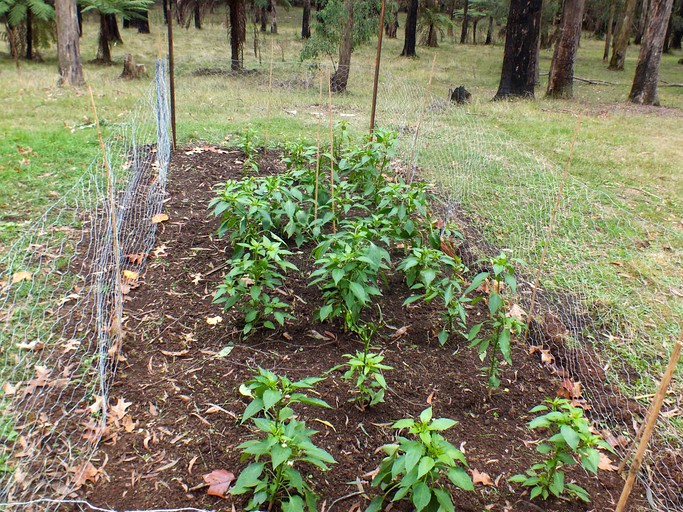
(185, 400)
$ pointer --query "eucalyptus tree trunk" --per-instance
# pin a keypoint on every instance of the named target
(465, 21)
(197, 15)
(610, 29)
(561, 79)
(103, 50)
(68, 49)
(677, 35)
(29, 35)
(238, 32)
(489, 32)
(616, 63)
(411, 30)
(340, 79)
(143, 23)
(644, 89)
(518, 75)
(642, 21)
(306, 20)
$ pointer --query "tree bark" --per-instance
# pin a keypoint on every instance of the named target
(475, 22)
(306, 20)
(197, 16)
(143, 23)
(644, 89)
(489, 32)
(561, 79)
(667, 37)
(677, 36)
(521, 49)
(264, 20)
(113, 29)
(79, 15)
(610, 28)
(68, 49)
(238, 35)
(465, 21)
(103, 50)
(340, 79)
(616, 63)
(29, 35)
(164, 8)
(411, 30)
(642, 21)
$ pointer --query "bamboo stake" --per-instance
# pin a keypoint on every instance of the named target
(116, 250)
(317, 155)
(553, 217)
(377, 62)
(650, 424)
(270, 90)
(329, 94)
(419, 122)
(171, 70)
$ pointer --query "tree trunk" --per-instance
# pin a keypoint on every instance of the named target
(391, 26)
(560, 81)
(432, 36)
(475, 22)
(79, 15)
(197, 16)
(113, 29)
(451, 16)
(642, 21)
(29, 35)
(340, 79)
(164, 8)
(143, 23)
(644, 89)
(489, 32)
(273, 18)
(103, 51)
(616, 63)
(264, 20)
(465, 21)
(521, 49)
(127, 23)
(610, 28)
(68, 50)
(411, 30)
(667, 37)
(306, 20)
(677, 36)
(14, 39)
(238, 35)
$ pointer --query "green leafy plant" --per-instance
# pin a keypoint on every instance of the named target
(503, 327)
(349, 265)
(249, 145)
(298, 155)
(250, 282)
(569, 440)
(418, 467)
(365, 369)
(404, 205)
(273, 395)
(284, 444)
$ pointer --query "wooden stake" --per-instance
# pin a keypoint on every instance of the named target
(270, 90)
(419, 122)
(329, 93)
(117, 327)
(171, 70)
(650, 424)
(377, 62)
(317, 155)
(551, 228)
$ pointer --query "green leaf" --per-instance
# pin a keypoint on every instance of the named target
(422, 495)
(248, 478)
(591, 460)
(444, 499)
(426, 415)
(460, 478)
(425, 466)
(404, 423)
(442, 424)
(557, 485)
(570, 436)
(413, 454)
(375, 504)
(280, 454)
(495, 302)
(504, 345)
(253, 408)
(359, 291)
(270, 398)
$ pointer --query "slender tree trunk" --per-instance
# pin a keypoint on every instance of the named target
(68, 50)
(79, 16)
(164, 8)
(521, 49)
(677, 36)
(642, 21)
(610, 28)
(103, 50)
(340, 79)
(14, 40)
(127, 22)
(238, 28)
(197, 15)
(667, 38)
(465, 21)
(475, 22)
(616, 63)
(411, 30)
(644, 89)
(273, 18)
(29, 34)
(143, 23)
(489, 32)
(306, 20)
(451, 16)
(264, 20)
(113, 29)
(560, 81)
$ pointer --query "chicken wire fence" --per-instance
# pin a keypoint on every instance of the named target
(62, 288)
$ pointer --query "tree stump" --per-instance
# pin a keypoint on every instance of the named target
(131, 70)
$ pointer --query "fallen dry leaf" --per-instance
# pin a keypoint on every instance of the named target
(619, 441)
(219, 481)
(35, 345)
(180, 353)
(20, 276)
(138, 258)
(129, 274)
(83, 473)
(569, 389)
(400, 332)
(481, 478)
(547, 357)
(517, 313)
(159, 217)
(97, 406)
(606, 463)
(160, 251)
(214, 320)
(118, 411)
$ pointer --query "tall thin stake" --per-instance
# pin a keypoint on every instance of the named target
(116, 327)
(270, 90)
(171, 70)
(317, 155)
(419, 121)
(551, 228)
(329, 94)
(650, 424)
(378, 58)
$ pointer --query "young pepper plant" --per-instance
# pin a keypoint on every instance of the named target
(569, 438)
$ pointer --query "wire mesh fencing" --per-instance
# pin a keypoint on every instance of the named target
(62, 288)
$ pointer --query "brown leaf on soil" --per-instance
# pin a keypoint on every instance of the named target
(160, 251)
(9, 389)
(129, 274)
(41, 380)
(606, 463)
(447, 247)
(547, 357)
(569, 389)
(128, 424)
(179, 353)
(615, 441)
(138, 258)
(214, 320)
(118, 411)
(83, 473)
(481, 478)
(517, 313)
(400, 332)
(20, 276)
(219, 481)
(159, 217)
